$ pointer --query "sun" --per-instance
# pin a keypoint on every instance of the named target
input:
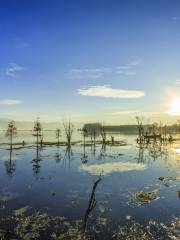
(175, 107)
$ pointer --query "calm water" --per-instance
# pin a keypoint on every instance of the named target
(59, 182)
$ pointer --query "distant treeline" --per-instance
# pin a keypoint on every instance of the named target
(126, 129)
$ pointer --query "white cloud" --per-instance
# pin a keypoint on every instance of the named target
(177, 81)
(134, 63)
(97, 73)
(109, 92)
(10, 102)
(108, 168)
(125, 112)
(22, 45)
(92, 73)
(13, 69)
(129, 65)
(175, 18)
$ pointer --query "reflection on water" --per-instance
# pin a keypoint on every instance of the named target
(10, 164)
(58, 180)
(109, 168)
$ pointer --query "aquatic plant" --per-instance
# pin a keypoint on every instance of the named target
(150, 231)
(145, 197)
(38, 227)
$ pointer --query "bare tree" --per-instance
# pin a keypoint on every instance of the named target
(103, 134)
(178, 126)
(58, 134)
(68, 128)
(11, 132)
(37, 131)
(140, 128)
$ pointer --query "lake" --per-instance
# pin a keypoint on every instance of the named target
(58, 181)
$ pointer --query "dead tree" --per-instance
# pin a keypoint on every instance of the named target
(58, 134)
(140, 128)
(103, 134)
(68, 128)
(178, 126)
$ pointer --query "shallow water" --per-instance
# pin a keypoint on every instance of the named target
(59, 181)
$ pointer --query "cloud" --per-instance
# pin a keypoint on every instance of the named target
(175, 18)
(109, 92)
(177, 81)
(129, 65)
(125, 112)
(21, 44)
(92, 73)
(10, 102)
(97, 73)
(13, 69)
(108, 168)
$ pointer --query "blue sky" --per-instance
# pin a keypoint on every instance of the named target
(89, 60)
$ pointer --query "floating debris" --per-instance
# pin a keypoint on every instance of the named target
(169, 179)
(145, 197)
(128, 217)
(21, 211)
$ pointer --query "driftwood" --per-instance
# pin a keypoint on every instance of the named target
(91, 205)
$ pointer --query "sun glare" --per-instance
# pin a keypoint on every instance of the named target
(175, 107)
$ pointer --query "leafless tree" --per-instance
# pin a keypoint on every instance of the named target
(103, 134)
(178, 126)
(68, 128)
(140, 127)
(58, 134)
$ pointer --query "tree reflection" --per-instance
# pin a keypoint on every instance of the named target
(154, 150)
(10, 165)
(58, 155)
(36, 162)
(68, 156)
(102, 152)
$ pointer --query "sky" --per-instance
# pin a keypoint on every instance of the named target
(90, 60)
